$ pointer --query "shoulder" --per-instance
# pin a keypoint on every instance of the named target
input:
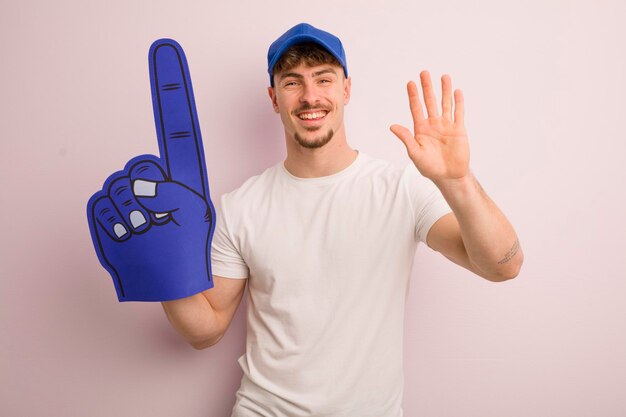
(405, 179)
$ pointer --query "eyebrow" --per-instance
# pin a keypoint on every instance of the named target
(315, 74)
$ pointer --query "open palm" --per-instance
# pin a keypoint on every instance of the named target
(438, 146)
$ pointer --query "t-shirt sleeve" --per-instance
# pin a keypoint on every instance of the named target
(226, 260)
(427, 203)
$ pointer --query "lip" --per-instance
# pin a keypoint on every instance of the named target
(312, 122)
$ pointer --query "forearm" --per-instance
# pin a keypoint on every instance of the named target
(195, 319)
(489, 238)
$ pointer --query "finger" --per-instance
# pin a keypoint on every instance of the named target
(105, 220)
(178, 130)
(459, 108)
(406, 137)
(429, 95)
(446, 97)
(414, 104)
(184, 204)
(144, 169)
(121, 194)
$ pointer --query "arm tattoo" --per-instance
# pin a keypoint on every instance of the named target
(510, 254)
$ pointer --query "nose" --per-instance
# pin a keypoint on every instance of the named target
(310, 94)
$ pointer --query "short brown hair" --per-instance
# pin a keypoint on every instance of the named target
(307, 53)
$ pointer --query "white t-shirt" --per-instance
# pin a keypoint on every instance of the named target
(328, 261)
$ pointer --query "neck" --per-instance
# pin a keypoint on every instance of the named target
(331, 158)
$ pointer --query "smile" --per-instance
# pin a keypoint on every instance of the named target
(312, 116)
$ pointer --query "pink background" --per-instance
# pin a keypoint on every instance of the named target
(544, 86)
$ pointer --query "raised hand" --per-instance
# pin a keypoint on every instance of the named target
(152, 223)
(438, 146)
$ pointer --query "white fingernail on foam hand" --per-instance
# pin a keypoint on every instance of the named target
(143, 188)
(119, 230)
(160, 215)
(137, 218)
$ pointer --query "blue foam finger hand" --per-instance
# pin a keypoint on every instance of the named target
(152, 223)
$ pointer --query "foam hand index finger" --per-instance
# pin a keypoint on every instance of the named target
(176, 119)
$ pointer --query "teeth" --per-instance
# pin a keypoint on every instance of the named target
(309, 116)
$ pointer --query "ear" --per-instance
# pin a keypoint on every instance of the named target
(272, 94)
(347, 90)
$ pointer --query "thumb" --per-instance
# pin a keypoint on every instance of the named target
(172, 197)
(406, 137)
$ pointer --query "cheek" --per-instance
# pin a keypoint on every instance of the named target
(285, 117)
(284, 103)
(341, 95)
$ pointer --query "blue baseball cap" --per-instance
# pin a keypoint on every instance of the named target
(303, 32)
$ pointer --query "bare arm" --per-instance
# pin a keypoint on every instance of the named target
(202, 319)
(476, 235)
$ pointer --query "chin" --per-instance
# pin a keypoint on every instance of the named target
(315, 143)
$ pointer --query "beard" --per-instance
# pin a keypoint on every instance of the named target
(317, 142)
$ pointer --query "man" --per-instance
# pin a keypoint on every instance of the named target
(326, 242)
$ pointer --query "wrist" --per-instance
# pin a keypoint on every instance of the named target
(457, 185)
